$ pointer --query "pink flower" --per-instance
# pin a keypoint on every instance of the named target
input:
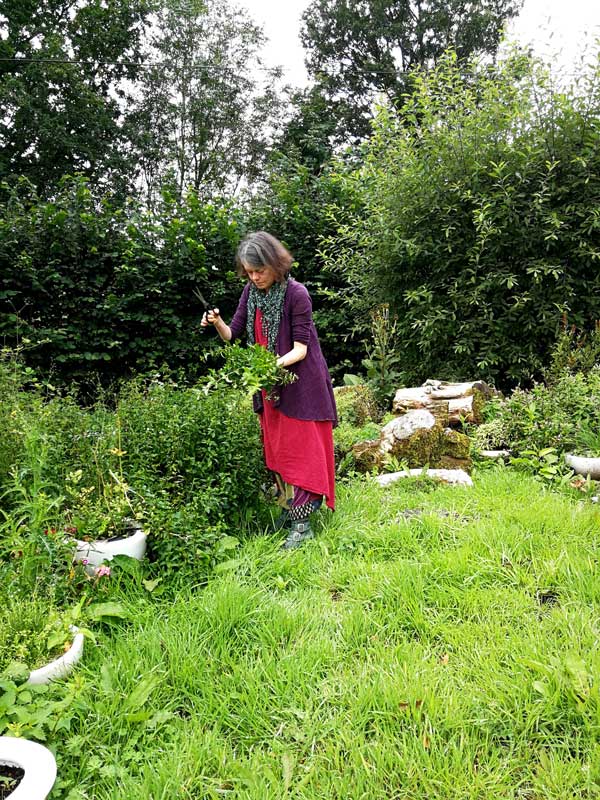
(102, 572)
(85, 562)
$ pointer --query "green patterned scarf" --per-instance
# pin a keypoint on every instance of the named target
(271, 305)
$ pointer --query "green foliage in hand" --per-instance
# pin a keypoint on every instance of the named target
(249, 369)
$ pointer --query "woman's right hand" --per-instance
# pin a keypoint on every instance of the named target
(210, 317)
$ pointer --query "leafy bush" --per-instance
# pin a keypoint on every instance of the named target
(575, 351)
(196, 458)
(479, 219)
(356, 405)
(103, 289)
(547, 416)
(188, 461)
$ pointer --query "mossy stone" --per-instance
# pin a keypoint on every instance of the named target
(456, 444)
(425, 446)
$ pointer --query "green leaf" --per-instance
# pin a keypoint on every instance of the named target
(17, 672)
(139, 696)
(100, 611)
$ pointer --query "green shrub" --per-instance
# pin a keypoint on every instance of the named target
(356, 405)
(575, 351)
(196, 458)
(105, 290)
(187, 461)
(547, 416)
(345, 436)
(479, 220)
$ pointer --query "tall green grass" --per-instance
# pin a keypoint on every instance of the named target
(429, 643)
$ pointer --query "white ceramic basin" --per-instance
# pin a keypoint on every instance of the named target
(61, 666)
(583, 465)
(99, 551)
(37, 762)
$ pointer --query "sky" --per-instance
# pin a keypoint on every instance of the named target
(555, 29)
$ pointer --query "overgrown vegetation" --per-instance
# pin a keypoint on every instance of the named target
(187, 462)
(558, 416)
(432, 642)
(479, 219)
(442, 640)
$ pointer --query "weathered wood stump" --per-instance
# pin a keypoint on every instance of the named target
(416, 438)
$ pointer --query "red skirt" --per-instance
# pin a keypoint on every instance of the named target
(300, 450)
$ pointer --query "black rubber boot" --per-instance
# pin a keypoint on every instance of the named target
(300, 532)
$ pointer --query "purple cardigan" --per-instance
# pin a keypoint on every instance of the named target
(311, 396)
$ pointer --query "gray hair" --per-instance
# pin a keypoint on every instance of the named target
(261, 249)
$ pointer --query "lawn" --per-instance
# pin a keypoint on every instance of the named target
(432, 642)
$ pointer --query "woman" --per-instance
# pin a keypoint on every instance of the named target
(297, 424)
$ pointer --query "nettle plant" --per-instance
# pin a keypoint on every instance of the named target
(99, 512)
(249, 369)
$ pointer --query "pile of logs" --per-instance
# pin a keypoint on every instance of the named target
(450, 403)
(422, 432)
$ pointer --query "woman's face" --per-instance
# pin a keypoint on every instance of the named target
(262, 277)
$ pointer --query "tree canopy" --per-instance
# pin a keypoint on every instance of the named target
(359, 49)
(207, 109)
(478, 220)
(63, 71)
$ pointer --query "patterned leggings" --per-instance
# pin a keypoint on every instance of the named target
(298, 501)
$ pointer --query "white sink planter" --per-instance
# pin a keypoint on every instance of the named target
(99, 551)
(582, 465)
(37, 762)
(61, 666)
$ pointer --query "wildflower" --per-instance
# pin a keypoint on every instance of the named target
(102, 572)
(85, 561)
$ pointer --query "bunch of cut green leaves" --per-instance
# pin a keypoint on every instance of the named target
(249, 369)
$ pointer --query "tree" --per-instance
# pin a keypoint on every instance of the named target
(306, 137)
(206, 110)
(63, 68)
(479, 222)
(359, 49)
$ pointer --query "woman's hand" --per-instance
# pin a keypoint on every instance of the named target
(213, 317)
(210, 317)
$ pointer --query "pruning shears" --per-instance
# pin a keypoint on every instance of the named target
(203, 301)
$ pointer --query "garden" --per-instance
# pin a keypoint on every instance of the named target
(433, 640)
